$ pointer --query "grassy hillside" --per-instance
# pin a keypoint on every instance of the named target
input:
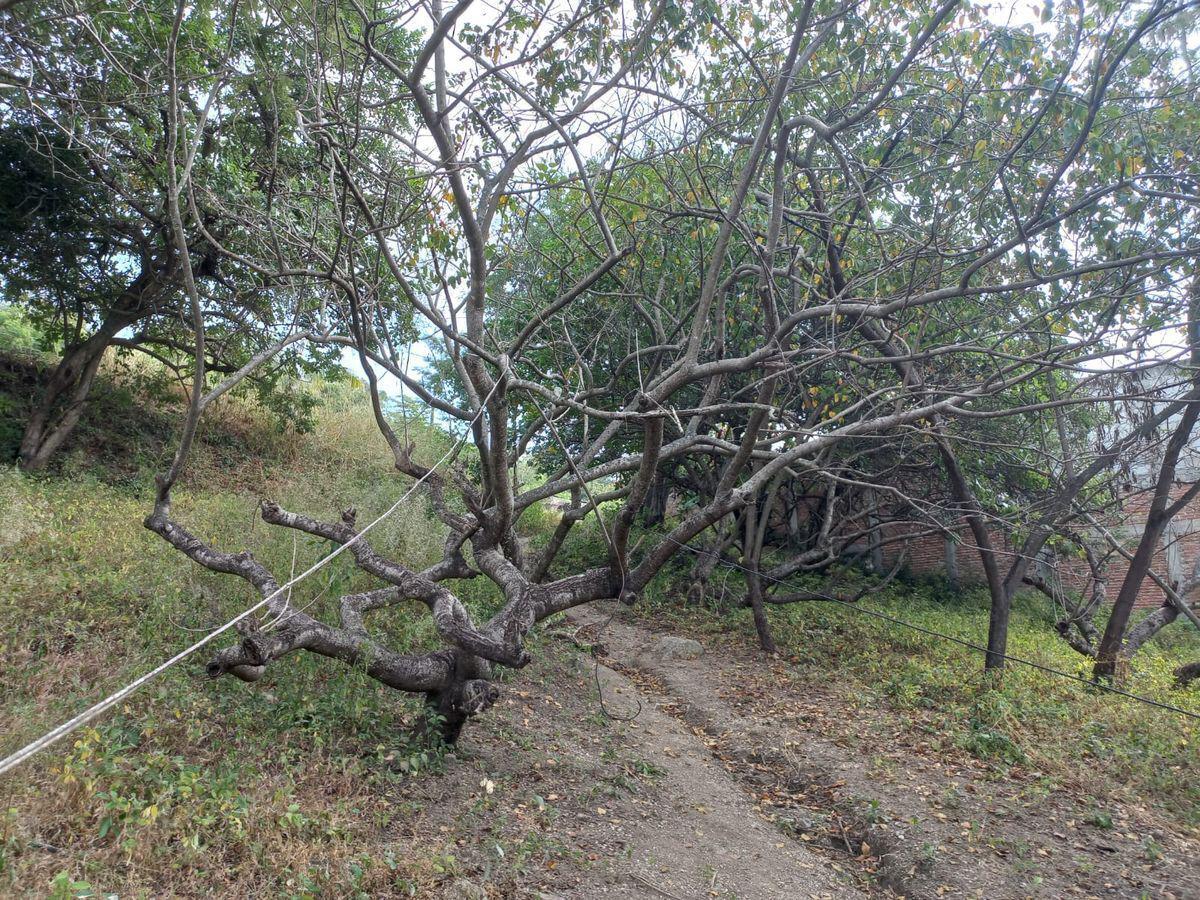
(194, 778)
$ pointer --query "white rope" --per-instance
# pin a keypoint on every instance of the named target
(92, 712)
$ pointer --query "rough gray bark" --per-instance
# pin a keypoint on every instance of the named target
(1186, 674)
(749, 432)
(64, 398)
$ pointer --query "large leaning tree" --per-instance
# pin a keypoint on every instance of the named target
(755, 245)
(86, 241)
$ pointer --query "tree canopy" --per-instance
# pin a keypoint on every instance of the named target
(829, 263)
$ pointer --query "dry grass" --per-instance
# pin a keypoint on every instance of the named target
(269, 790)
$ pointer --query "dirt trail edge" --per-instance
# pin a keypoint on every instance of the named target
(705, 839)
(768, 800)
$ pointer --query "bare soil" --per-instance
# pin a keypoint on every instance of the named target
(591, 797)
(723, 777)
(857, 784)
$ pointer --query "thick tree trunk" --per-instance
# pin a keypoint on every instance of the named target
(64, 398)
(469, 693)
(1186, 674)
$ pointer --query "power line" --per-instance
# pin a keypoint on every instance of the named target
(92, 712)
(961, 641)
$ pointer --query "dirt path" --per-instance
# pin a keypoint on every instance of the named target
(703, 837)
(547, 797)
(735, 780)
(845, 783)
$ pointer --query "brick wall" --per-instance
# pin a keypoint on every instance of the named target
(955, 551)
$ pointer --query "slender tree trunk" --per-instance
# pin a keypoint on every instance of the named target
(707, 561)
(1114, 643)
(752, 556)
(1149, 627)
(761, 625)
(950, 550)
(875, 538)
(1001, 594)
(654, 510)
(1162, 509)
(1001, 605)
(1114, 633)
(1001, 597)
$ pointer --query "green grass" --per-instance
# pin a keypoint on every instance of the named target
(1043, 722)
(278, 788)
(282, 788)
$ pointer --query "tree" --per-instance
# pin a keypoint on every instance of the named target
(799, 242)
(86, 245)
